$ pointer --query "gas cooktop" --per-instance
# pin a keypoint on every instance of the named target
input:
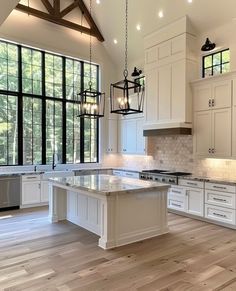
(162, 176)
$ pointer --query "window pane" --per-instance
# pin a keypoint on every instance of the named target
(53, 75)
(8, 130)
(73, 79)
(53, 130)
(32, 130)
(90, 140)
(216, 70)
(8, 67)
(225, 68)
(216, 59)
(72, 134)
(208, 62)
(225, 56)
(32, 71)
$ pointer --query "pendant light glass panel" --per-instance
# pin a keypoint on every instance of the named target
(92, 103)
(127, 97)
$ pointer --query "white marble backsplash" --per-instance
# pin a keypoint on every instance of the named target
(175, 153)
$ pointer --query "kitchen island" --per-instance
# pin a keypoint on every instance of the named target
(120, 210)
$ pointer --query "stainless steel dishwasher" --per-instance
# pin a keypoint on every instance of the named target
(9, 192)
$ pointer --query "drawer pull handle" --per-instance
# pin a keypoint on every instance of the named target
(219, 187)
(219, 215)
(177, 205)
(128, 174)
(219, 199)
(28, 178)
(175, 191)
(192, 184)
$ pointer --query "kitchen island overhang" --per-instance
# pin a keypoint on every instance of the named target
(118, 209)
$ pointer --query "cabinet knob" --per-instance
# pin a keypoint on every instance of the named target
(213, 151)
(210, 103)
(213, 102)
(209, 151)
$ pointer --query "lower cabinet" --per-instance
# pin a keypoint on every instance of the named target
(128, 174)
(186, 199)
(33, 191)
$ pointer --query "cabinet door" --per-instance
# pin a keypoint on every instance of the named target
(121, 136)
(221, 132)
(31, 193)
(141, 141)
(151, 97)
(112, 135)
(222, 94)
(202, 96)
(194, 201)
(234, 132)
(131, 136)
(164, 93)
(202, 133)
(44, 192)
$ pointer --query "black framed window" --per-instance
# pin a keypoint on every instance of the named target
(216, 63)
(39, 108)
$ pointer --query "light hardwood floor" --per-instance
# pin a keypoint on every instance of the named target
(36, 255)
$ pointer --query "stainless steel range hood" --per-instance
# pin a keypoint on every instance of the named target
(177, 128)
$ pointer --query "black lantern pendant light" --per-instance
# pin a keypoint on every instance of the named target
(91, 101)
(127, 97)
(208, 46)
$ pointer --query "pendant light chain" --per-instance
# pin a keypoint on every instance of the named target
(126, 39)
(90, 49)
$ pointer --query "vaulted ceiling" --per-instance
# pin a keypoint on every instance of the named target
(109, 16)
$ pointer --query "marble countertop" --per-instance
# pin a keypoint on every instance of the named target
(108, 184)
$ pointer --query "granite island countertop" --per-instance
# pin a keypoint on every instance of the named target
(108, 184)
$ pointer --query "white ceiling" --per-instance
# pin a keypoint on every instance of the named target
(109, 16)
(6, 8)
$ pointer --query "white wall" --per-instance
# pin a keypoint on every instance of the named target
(24, 29)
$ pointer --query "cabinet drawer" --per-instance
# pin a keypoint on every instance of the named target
(220, 214)
(191, 183)
(30, 178)
(176, 191)
(177, 204)
(220, 198)
(220, 187)
(118, 173)
(131, 175)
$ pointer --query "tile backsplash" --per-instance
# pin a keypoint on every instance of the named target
(175, 153)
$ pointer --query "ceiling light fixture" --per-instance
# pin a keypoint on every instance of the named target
(115, 41)
(208, 46)
(98, 1)
(138, 27)
(160, 14)
(127, 97)
(190, 1)
(91, 101)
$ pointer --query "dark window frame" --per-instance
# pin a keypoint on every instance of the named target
(20, 95)
(220, 65)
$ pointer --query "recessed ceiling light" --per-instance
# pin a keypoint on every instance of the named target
(190, 1)
(161, 14)
(138, 27)
(98, 1)
(115, 41)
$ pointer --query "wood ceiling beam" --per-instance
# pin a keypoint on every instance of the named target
(69, 8)
(48, 6)
(89, 19)
(56, 6)
(56, 20)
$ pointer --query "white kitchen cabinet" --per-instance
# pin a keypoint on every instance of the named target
(213, 94)
(130, 137)
(212, 133)
(202, 133)
(31, 192)
(234, 120)
(112, 136)
(187, 199)
(195, 201)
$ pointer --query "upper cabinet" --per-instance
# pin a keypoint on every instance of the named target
(213, 117)
(170, 65)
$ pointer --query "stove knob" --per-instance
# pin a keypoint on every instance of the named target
(151, 178)
(163, 179)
